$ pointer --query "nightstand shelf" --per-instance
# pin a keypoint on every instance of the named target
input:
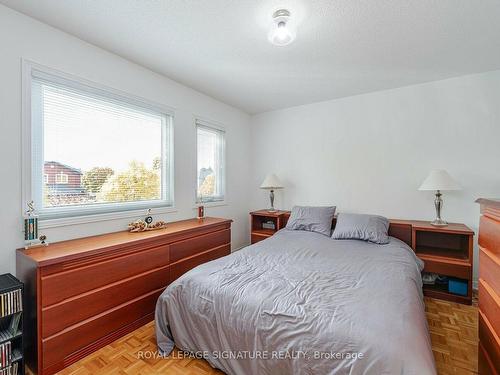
(5, 336)
(441, 292)
(264, 232)
(441, 253)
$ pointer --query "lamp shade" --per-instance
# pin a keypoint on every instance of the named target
(439, 179)
(271, 182)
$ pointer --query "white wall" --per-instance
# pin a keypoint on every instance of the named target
(367, 153)
(23, 37)
(370, 153)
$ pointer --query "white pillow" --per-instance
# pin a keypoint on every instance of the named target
(371, 228)
(313, 219)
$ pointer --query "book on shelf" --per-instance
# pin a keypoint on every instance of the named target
(14, 325)
(11, 341)
(11, 302)
(11, 370)
(5, 354)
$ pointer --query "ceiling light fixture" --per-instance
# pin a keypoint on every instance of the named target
(281, 32)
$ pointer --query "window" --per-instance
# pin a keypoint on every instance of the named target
(61, 178)
(94, 151)
(211, 163)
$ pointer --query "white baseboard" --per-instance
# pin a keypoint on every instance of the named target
(474, 284)
(239, 248)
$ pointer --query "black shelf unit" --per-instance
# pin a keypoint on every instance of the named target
(9, 283)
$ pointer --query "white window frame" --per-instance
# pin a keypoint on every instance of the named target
(62, 178)
(212, 126)
(32, 175)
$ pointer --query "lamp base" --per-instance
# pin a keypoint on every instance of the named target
(438, 203)
(439, 223)
(271, 198)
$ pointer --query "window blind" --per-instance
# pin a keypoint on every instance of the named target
(211, 163)
(94, 150)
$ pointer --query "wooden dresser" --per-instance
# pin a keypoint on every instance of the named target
(83, 294)
(489, 287)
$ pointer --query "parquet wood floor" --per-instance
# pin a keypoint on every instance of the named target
(454, 336)
(453, 331)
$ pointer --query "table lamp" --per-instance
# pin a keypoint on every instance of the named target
(271, 182)
(439, 180)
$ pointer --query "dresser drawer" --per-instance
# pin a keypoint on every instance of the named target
(62, 315)
(199, 244)
(180, 268)
(489, 234)
(57, 348)
(489, 305)
(489, 268)
(485, 366)
(59, 286)
(489, 341)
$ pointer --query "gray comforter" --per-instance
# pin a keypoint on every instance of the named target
(302, 303)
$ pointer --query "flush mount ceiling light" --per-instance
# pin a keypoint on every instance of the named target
(281, 32)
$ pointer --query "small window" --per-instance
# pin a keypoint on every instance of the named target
(211, 163)
(95, 150)
(61, 178)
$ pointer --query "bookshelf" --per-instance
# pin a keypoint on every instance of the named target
(265, 223)
(11, 326)
(446, 251)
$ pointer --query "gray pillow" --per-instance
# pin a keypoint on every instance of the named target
(313, 219)
(362, 227)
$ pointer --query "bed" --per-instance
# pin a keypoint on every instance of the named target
(302, 303)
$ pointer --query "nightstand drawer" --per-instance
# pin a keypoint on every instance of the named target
(258, 237)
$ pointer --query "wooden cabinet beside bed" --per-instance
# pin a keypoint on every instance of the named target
(489, 288)
(83, 294)
(258, 219)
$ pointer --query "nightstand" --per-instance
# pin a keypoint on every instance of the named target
(265, 223)
(446, 251)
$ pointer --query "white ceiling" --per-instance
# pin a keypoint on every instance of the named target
(343, 47)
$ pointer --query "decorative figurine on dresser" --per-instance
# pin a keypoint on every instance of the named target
(31, 237)
(201, 205)
(146, 225)
(11, 326)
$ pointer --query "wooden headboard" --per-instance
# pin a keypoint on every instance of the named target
(400, 229)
